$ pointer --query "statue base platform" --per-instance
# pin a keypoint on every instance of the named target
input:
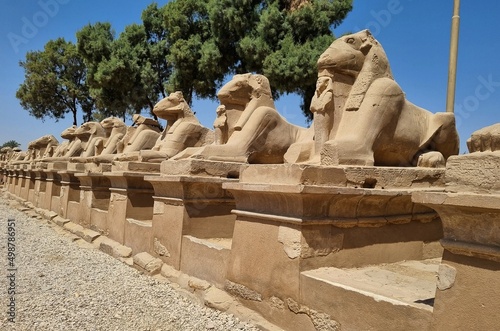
(308, 217)
(192, 218)
(470, 213)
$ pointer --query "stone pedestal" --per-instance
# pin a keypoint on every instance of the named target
(40, 187)
(192, 221)
(28, 183)
(20, 181)
(94, 201)
(7, 178)
(31, 184)
(13, 180)
(51, 195)
(130, 213)
(69, 201)
(469, 284)
(3, 174)
(293, 218)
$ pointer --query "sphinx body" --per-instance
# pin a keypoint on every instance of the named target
(91, 135)
(70, 147)
(372, 123)
(44, 146)
(183, 130)
(141, 135)
(65, 146)
(486, 139)
(39, 149)
(255, 131)
(6, 153)
(115, 130)
(101, 140)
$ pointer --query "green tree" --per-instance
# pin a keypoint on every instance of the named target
(11, 144)
(156, 69)
(95, 44)
(127, 74)
(54, 82)
(281, 39)
(193, 52)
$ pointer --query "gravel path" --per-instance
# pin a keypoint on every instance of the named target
(63, 285)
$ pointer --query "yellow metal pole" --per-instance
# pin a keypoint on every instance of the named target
(452, 70)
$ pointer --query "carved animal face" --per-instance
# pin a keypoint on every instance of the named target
(112, 122)
(242, 88)
(89, 129)
(171, 107)
(69, 133)
(347, 54)
(46, 140)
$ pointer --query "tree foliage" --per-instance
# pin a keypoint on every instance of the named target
(54, 82)
(278, 38)
(186, 45)
(192, 50)
(11, 144)
(127, 74)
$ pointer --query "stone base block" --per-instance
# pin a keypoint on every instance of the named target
(138, 235)
(387, 297)
(135, 167)
(468, 294)
(75, 214)
(203, 168)
(206, 258)
(99, 220)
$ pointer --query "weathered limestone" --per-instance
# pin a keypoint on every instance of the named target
(485, 140)
(400, 292)
(142, 135)
(467, 296)
(94, 201)
(51, 200)
(256, 132)
(183, 130)
(91, 135)
(192, 221)
(43, 147)
(326, 241)
(66, 145)
(115, 131)
(37, 149)
(311, 217)
(71, 147)
(69, 200)
(37, 195)
(365, 113)
(130, 209)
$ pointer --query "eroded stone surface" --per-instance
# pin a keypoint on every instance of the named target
(485, 140)
(218, 299)
(160, 249)
(291, 240)
(148, 262)
(256, 132)
(183, 130)
(365, 113)
(242, 291)
(446, 276)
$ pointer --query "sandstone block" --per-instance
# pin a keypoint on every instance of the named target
(148, 262)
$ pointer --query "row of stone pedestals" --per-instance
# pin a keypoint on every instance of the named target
(309, 247)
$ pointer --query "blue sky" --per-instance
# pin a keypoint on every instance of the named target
(415, 35)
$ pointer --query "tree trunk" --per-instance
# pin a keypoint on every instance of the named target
(74, 117)
(151, 107)
(307, 95)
